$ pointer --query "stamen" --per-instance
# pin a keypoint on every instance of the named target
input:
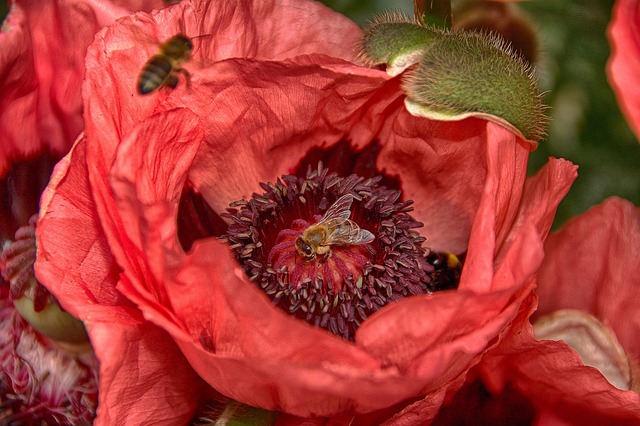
(325, 270)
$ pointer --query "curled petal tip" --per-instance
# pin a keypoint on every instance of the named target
(595, 342)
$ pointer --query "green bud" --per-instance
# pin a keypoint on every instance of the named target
(470, 74)
(52, 321)
(395, 40)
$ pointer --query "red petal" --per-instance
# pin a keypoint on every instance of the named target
(73, 258)
(147, 179)
(18, 90)
(623, 68)
(259, 135)
(144, 379)
(244, 29)
(447, 171)
(75, 263)
(43, 50)
(593, 266)
(589, 265)
(541, 196)
(554, 379)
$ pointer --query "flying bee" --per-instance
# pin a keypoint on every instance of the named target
(335, 228)
(162, 68)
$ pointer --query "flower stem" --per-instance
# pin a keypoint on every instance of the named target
(436, 12)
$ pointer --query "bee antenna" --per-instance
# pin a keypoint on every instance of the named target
(200, 36)
(197, 37)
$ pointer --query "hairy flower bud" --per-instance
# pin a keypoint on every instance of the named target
(395, 40)
(474, 74)
(459, 74)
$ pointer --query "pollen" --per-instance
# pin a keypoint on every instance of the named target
(333, 250)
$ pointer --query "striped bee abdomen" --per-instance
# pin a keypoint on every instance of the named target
(154, 74)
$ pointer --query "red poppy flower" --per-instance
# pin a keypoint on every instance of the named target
(42, 61)
(590, 266)
(262, 124)
(624, 64)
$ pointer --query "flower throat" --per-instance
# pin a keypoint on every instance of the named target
(333, 250)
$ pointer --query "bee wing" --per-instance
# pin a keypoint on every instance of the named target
(348, 233)
(340, 209)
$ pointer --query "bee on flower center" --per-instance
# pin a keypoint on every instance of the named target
(163, 67)
(335, 228)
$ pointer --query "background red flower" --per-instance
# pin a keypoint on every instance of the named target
(42, 61)
(623, 68)
(589, 265)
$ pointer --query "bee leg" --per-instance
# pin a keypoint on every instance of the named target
(325, 255)
(187, 77)
(171, 81)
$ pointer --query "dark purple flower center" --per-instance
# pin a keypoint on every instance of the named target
(324, 267)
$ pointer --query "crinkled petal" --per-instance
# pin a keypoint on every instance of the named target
(552, 376)
(68, 235)
(593, 340)
(144, 379)
(541, 196)
(148, 175)
(220, 30)
(589, 265)
(325, 100)
(593, 266)
(18, 96)
(272, 30)
(75, 263)
(623, 68)
(43, 47)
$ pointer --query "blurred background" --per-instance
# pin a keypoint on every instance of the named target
(586, 125)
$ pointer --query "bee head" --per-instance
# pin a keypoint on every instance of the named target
(180, 43)
(305, 249)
